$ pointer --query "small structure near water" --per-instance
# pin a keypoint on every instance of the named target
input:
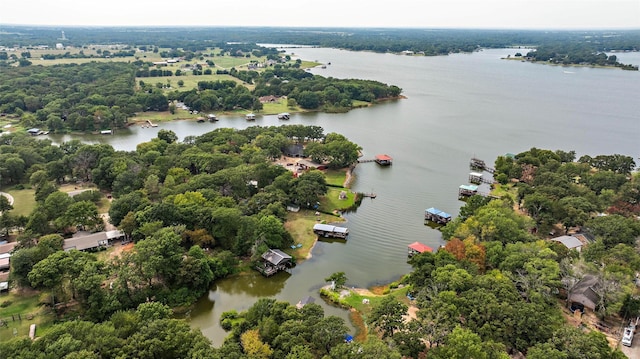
(417, 248)
(327, 230)
(383, 160)
(437, 216)
(250, 117)
(467, 190)
(273, 261)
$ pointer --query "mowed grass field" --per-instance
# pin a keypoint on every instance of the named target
(24, 201)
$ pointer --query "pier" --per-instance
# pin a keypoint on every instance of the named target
(479, 164)
(382, 160)
(151, 124)
(477, 178)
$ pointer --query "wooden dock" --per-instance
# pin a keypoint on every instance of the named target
(369, 195)
(479, 164)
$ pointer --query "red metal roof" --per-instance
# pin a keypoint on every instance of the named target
(383, 157)
(420, 248)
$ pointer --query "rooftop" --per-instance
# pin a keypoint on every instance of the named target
(420, 247)
(275, 256)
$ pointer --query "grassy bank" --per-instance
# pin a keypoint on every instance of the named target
(300, 225)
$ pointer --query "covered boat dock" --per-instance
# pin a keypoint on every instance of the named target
(436, 215)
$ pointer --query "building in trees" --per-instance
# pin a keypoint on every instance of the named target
(273, 261)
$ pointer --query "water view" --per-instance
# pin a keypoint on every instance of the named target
(456, 107)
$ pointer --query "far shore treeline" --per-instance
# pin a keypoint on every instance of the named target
(96, 96)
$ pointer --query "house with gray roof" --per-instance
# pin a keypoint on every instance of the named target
(83, 241)
(570, 242)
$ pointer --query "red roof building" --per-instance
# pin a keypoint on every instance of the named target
(417, 248)
(383, 160)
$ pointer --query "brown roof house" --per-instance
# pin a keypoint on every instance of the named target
(585, 292)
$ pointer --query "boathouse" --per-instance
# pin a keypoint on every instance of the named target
(477, 163)
(273, 261)
(383, 160)
(417, 248)
(475, 177)
(250, 117)
(436, 215)
(327, 230)
(467, 190)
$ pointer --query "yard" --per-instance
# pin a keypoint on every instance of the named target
(300, 225)
(24, 201)
(19, 310)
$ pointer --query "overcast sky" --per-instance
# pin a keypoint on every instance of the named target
(500, 14)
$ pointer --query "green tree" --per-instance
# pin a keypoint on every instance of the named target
(387, 316)
(338, 279)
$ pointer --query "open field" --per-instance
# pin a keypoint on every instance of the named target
(24, 201)
(190, 81)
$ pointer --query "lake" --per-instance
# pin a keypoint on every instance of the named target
(456, 107)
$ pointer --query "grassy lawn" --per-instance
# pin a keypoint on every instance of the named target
(504, 190)
(300, 225)
(30, 311)
(331, 200)
(272, 108)
(335, 177)
(24, 201)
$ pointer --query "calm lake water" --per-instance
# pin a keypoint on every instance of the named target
(457, 107)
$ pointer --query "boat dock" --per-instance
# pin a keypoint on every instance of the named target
(479, 164)
(327, 230)
(477, 178)
(382, 160)
(436, 216)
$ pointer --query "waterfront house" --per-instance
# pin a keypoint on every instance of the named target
(327, 230)
(272, 261)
